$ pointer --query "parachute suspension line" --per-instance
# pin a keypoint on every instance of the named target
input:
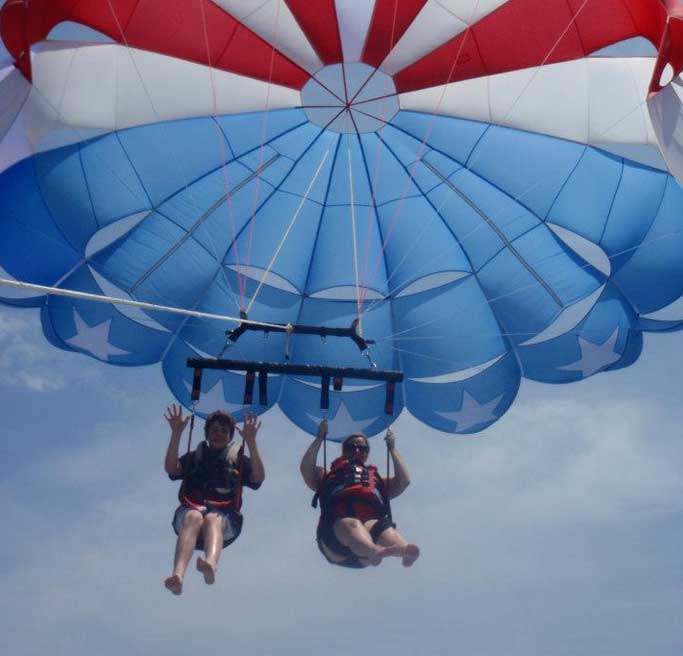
(220, 138)
(480, 226)
(100, 298)
(264, 132)
(430, 127)
(376, 168)
(499, 233)
(414, 242)
(177, 162)
(266, 273)
(418, 159)
(537, 69)
(531, 285)
(354, 238)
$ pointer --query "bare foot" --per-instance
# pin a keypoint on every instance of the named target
(207, 569)
(384, 552)
(411, 552)
(375, 559)
(174, 583)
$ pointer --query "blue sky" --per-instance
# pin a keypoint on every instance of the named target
(558, 531)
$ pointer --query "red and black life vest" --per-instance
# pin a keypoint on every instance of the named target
(214, 479)
(352, 490)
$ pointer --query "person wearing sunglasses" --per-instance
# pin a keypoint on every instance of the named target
(355, 528)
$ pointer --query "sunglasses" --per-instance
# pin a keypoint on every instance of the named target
(363, 448)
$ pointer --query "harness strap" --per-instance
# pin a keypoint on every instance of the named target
(189, 436)
(387, 485)
(238, 485)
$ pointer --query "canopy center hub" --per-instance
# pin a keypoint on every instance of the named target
(349, 98)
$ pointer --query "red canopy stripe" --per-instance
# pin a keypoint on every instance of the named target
(380, 39)
(170, 28)
(526, 33)
(318, 20)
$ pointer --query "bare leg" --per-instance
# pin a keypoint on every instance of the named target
(213, 545)
(354, 535)
(185, 544)
(408, 552)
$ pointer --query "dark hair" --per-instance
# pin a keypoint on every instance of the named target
(220, 417)
(353, 436)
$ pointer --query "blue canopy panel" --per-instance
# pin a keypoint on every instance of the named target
(202, 338)
(607, 338)
(359, 406)
(219, 389)
(652, 277)
(444, 330)
(100, 330)
(29, 233)
(469, 405)
(466, 282)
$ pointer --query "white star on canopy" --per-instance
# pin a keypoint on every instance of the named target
(214, 399)
(472, 413)
(94, 339)
(595, 357)
(343, 424)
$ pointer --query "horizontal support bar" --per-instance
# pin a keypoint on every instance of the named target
(300, 329)
(296, 369)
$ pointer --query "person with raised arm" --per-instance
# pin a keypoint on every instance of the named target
(213, 475)
(355, 528)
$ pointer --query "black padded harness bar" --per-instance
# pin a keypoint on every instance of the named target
(335, 375)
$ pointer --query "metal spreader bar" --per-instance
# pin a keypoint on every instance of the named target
(293, 329)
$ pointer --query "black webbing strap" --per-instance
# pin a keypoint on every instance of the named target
(316, 496)
(263, 387)
(249, 387)
(194, 396)
(196, 383)
(325, 392)
(240, 469)
(189, 436)
(386, 488)
(389, 401)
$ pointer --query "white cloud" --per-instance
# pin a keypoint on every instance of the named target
(23, 359)
(28, 361)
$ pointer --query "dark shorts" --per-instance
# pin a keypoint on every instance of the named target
(325, 535)
(232, 523)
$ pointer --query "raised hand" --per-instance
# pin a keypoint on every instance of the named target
(175, 419)
(322, 428)
(249, 427)
(390, 439)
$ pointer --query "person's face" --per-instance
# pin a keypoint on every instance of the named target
(356, 450)
(218, 435)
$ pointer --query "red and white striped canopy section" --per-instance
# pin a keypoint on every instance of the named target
(523, 63)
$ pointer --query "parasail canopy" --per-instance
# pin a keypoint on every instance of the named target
(488, 188)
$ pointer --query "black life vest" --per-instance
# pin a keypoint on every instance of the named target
(214, 479)
(352, 490)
